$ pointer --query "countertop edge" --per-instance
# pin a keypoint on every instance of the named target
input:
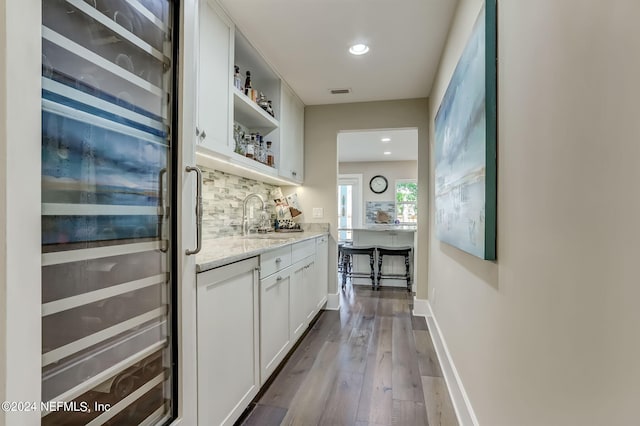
(381, 229)
(209, 265)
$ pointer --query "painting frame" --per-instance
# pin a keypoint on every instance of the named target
(465, 175)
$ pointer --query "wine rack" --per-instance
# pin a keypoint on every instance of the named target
(107, 103)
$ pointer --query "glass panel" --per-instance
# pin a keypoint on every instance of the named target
(345, 211)
(106, 184)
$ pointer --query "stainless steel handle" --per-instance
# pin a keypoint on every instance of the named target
(163, 212)
(294, 173)
(198, 210)
(201, 133)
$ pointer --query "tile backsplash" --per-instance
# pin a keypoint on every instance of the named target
(223, 195)
(388, 207)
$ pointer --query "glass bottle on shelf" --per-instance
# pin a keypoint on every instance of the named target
(262, 102)
(257, 153)
(262, 152)
(238, 136)
(243, 144)
(247, 84)
(251, 147)
(237, 78)
(270, 161)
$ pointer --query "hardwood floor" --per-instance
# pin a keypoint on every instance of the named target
(372, 363)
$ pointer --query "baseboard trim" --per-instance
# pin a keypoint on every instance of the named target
(333, 302)
(421, 308)
(459, 398)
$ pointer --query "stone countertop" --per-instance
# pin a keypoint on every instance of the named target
(382, 227)
(222, 251)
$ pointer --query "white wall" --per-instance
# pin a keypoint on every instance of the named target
(322, 124)
(20, 299)
(548, 335)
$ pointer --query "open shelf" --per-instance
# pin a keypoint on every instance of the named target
(249, 114)
(241, 166)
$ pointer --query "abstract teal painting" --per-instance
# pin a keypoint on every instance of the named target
(465, 146)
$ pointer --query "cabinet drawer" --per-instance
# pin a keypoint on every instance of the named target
(274, 261)
(303, 249)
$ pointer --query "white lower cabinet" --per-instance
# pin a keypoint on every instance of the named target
(275, 336)
(227, 336)
(302, 296)
(249, 315)
(311, 290)
(322, 271)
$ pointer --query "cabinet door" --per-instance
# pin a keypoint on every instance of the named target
(274, 320)
(227, 335)
(291, 136)
(322, 271)
(310, 288)
(298, 305)
(214, 79)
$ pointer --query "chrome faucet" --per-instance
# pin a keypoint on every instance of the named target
(245, 219)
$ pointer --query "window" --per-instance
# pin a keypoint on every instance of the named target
(407, 201)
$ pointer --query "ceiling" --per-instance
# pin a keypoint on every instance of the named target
(368, 146)
(307, 42)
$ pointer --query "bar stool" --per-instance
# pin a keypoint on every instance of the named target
(347, 261)
(341, 244)
(395, 251)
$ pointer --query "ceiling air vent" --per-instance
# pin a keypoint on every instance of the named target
(340, 91)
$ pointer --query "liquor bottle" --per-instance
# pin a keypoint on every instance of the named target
(246, 140)
(262, 152)
(270, 162)
(237, 78)
(247, 84)
(251, 147)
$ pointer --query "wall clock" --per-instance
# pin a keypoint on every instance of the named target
(378, 184)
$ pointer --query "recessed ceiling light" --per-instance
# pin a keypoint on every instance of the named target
(386, 139)
(358, 49)
(387, 153)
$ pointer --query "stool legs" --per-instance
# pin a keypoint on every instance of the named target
(371, 263)
(345, 269)
(407, 265)
(379, 268)
(408, 273)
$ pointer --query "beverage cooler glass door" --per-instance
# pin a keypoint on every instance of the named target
(108, 194)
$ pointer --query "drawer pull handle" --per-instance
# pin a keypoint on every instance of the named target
(278, 260)
(279, 278)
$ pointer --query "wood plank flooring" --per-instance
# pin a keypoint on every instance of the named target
(370, 364)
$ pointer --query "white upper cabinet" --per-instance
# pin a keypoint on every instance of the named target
(291, 136)
(216, 39)
(225, 112)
